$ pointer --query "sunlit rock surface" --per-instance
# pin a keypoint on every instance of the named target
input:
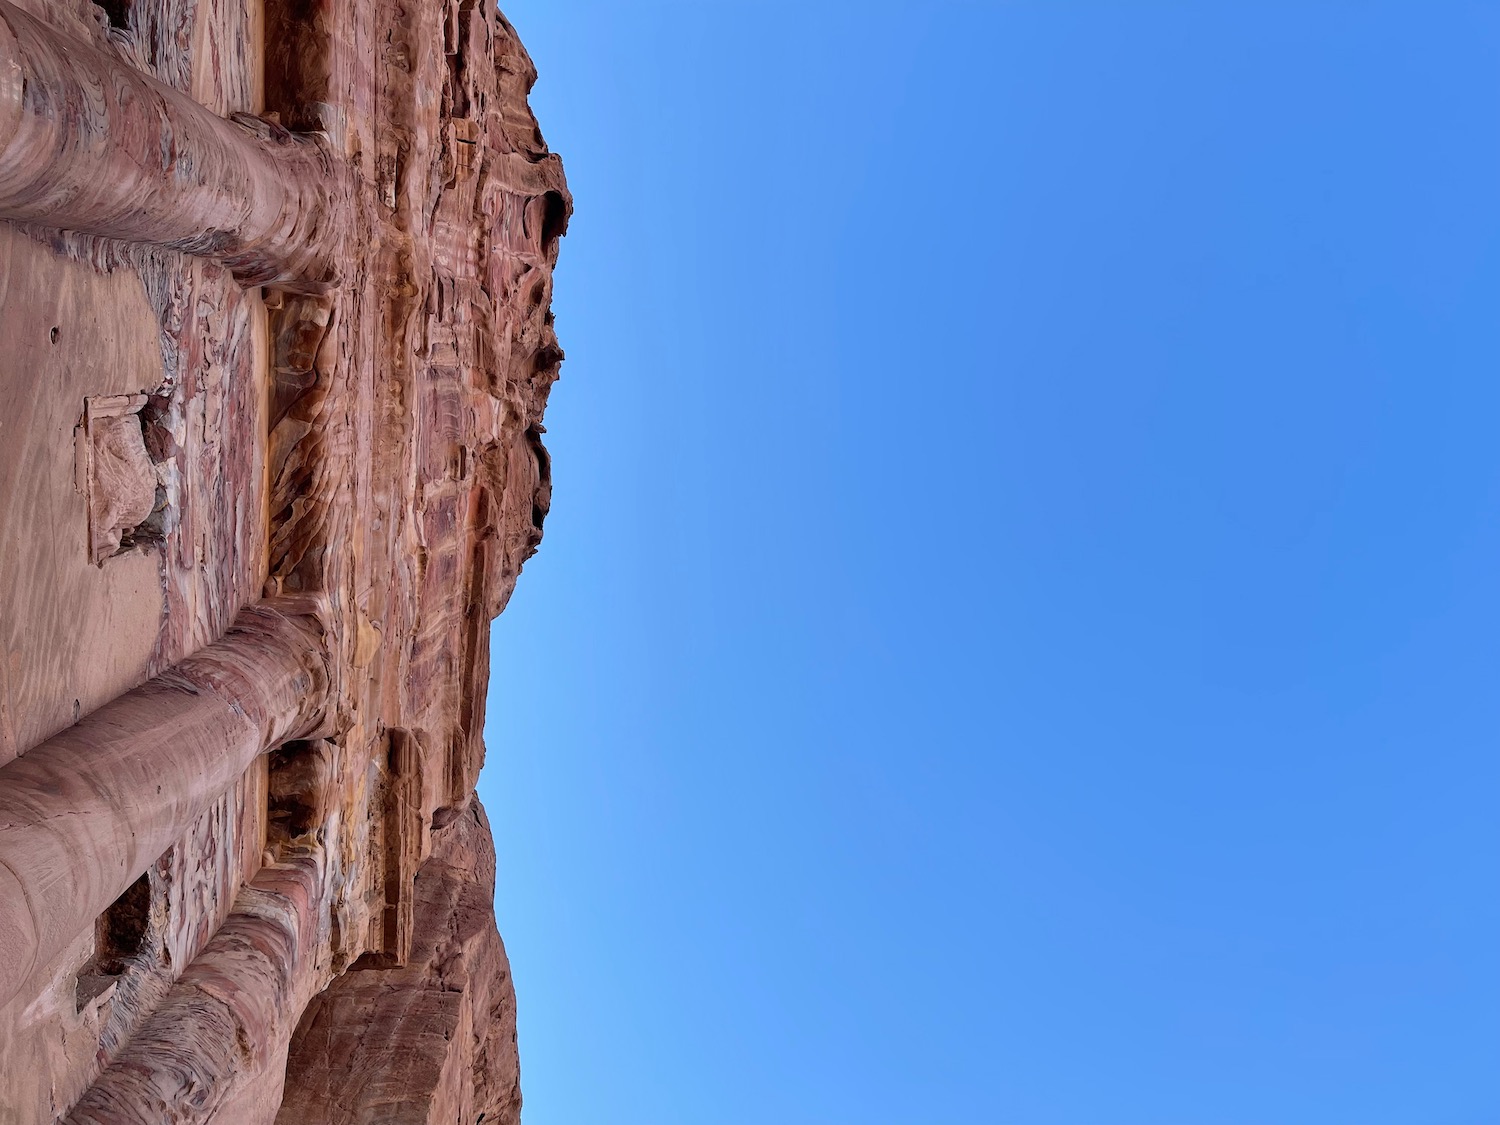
(275, 342)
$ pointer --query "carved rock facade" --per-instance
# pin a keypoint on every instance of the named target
(276, 340)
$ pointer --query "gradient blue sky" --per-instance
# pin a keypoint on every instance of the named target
(1018, 634)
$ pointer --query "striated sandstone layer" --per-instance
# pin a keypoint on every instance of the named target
(275, 286)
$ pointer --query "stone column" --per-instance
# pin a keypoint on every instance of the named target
(85, 813)
(90, 144)
(223, 1027)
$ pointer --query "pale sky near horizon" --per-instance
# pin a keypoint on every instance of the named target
(1017, 637)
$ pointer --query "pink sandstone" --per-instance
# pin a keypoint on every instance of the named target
(275, 279)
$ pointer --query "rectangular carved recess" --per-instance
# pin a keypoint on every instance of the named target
(122, 935)
(118, 446)
(299, 782)
(116, 11)
(401, 840)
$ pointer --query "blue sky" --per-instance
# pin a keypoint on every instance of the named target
(1018, 632)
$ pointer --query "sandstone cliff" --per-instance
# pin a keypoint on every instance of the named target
(275, 279)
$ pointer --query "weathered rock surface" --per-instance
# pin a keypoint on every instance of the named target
(275, 339)
(455, 1059)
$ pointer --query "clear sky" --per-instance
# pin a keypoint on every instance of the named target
(1017, 640)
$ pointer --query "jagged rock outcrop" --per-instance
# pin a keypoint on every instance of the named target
(456, 1057)
(275, 279)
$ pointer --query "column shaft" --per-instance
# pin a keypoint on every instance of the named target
(85, 813)
(89, 143)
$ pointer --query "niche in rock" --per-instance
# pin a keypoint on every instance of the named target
(297, 794)
(120, 937)
(122, 446)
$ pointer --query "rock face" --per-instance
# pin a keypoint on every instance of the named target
(275, 338)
